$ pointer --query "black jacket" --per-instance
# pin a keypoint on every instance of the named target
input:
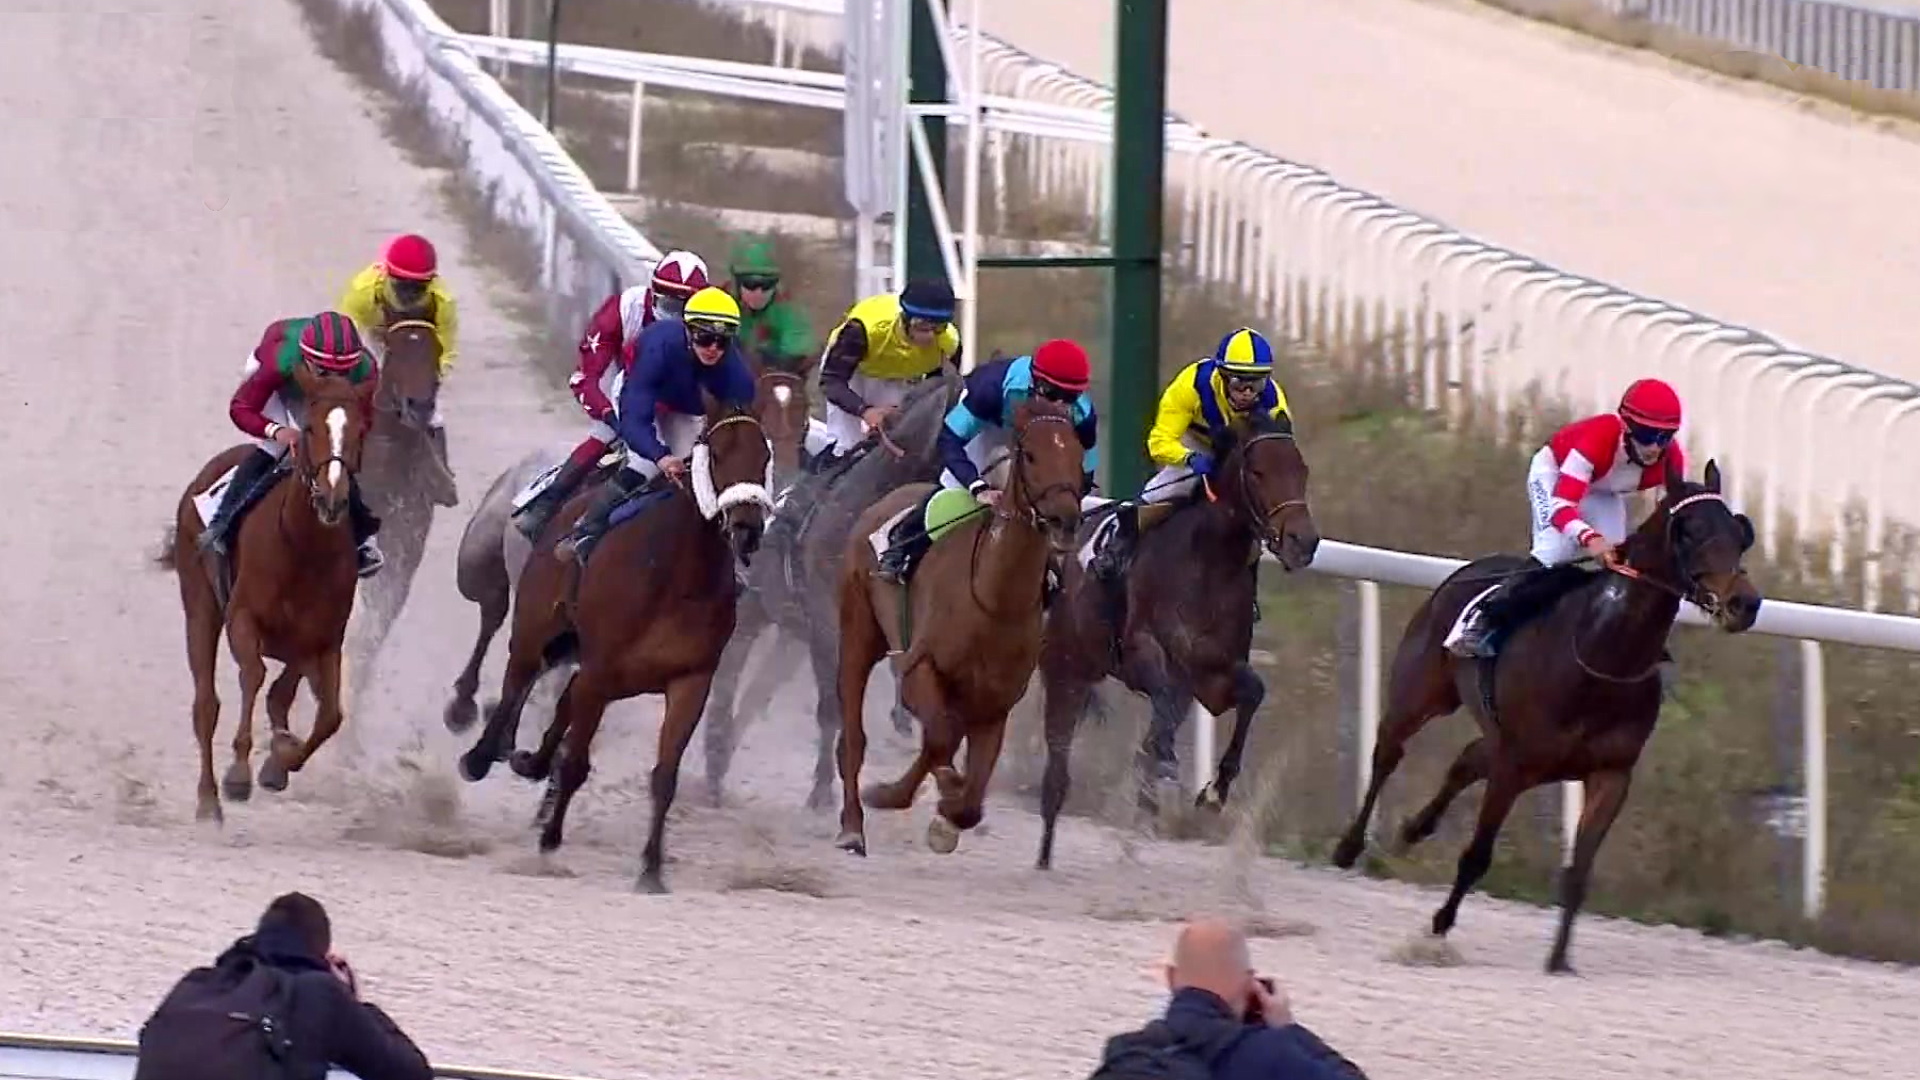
(1262, 1052)
(326, 1025)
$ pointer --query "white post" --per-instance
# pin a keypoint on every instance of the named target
(1369, 696)
(633, 136)
(1204, 733)
(1813, 720)
(1573, 794)
(970, 195)
(499, 25)
(780, 37)
(902, 39)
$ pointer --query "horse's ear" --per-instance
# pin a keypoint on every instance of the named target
(1713, 475)
(1746, 531)
(1283, 422)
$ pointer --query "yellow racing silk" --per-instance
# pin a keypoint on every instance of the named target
(1194, 403)
(365, 303)
(890, 355)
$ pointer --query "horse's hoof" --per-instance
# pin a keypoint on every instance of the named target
(475, 766)
(1346, 853)
(942, 837)
(524, 765)
(237, 785)
(273, 775)
(852, 843)
(460, 714)
(209, 810)
(651, 883)
(1560, 965)
(1210, 798)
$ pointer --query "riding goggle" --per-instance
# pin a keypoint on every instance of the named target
(1647, 436)
(1245, 383)
(1053, 393)
(918, 325)
(407, 292)
(707, 337)
(756, 283)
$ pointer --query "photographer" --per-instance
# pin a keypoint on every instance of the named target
(1224, 1022)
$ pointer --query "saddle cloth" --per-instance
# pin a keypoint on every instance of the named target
(1460, 621)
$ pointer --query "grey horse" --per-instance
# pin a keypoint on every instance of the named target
(793, 587)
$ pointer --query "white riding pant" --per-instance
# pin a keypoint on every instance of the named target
(989, 451)
(844, 428)
(1175, 481)
(679, 431)
(1606, 511)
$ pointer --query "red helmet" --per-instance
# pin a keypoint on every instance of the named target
(1650, 403)
(331, 342)
(1063, 363)
(680, 274)
(410, 257)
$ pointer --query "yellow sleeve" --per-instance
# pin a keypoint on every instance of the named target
(446, 325)
(1178, 406)
(358, 302)
(1280, 393)
(949, 341)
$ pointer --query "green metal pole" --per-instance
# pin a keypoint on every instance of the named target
(1139, 169)
(926, 83)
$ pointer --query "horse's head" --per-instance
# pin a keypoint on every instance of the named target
(410, 372)
(1263, 478)
(780, 404)
(1044, 470)
(1698, 541)
(333, 428)
(732, 471)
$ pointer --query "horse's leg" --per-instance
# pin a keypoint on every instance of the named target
(1248, 691)
(294, 753)
(830, 711)
(963, 803)
(1066, 700)
(1606, 793)
(1503, 788)
(940, 733)
(524, 667)
(243, 640)
(1468, 769)
(280, 697)
(583, 705)
(862, 645)
(686, 700)
(461, 711)
(203, 650)
(1421, 689)
(538, 764)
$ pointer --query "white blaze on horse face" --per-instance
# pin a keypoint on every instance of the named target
(337, 441)
(783, 395)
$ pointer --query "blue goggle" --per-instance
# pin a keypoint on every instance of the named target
(1647, 436)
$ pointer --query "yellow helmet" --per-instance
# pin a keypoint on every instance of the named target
(714, 308)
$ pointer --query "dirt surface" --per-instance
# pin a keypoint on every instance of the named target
(198, 170)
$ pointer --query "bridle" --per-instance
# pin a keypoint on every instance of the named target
(1268, 525)
(1690, 589)
(1031, 514)
(385, 399)
(712, 502)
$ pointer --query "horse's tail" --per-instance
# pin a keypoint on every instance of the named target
(168, 557)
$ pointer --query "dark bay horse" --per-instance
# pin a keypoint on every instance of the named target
(404, 478)
(294, 573)
(1575, 690)
(1179, 624)
(968, 620)
(649, 614)
(795, 585)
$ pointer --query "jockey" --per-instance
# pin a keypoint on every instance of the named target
(980, 426)
(405, 284)
(605, 349)
(883, 346)
(263, 407)
(772, 327)
(660, 411)
(676, 277)
(1577, 488)
(1195, 409)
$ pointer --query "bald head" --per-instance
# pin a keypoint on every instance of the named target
(1211, 954)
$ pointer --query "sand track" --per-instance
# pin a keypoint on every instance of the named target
(198, 169)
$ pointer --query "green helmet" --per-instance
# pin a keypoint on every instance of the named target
(752, 258)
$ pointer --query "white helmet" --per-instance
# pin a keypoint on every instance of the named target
(633, 312)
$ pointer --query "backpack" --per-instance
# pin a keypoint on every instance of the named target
(211, 1028)
(1155, 1053)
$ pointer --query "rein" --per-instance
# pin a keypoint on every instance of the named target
(1030, 516)
(1266, 527)
(383, 400)
(1690, 590)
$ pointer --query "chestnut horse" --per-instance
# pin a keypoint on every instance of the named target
(294, 573)
(1572, 694)
(969, 621)
(649, 614)
(1178, 625)
(780, 401)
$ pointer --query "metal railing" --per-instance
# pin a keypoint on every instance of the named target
(1879, 46)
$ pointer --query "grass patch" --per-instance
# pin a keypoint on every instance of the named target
(1693, 847)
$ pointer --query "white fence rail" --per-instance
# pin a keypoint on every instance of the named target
(1878, 46)
(1798, 433)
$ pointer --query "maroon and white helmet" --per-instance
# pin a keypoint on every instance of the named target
(678, 276)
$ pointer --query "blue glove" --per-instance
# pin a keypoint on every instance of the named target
(1201, 464)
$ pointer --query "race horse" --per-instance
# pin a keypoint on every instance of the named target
(780, 401)
(284, 592)
(968, 621)
(648, 614)
(1574, 691)
(404, 477)
(1178, 625)
(794, 588)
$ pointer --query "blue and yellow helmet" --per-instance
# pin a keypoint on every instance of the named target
(1244, 352)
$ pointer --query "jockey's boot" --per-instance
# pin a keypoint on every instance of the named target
(365, 525)
(907, 542)
(1491, 615)
(253, 469)
(1110, 561)
(579, 543)
(532, 518)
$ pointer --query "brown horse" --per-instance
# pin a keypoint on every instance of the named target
(649, 614)
(1574, 694)
(973, 612)
(780, 401)
(1178, 625)
(293, 576)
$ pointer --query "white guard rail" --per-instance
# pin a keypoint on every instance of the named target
(49, 1057)
(1796, 433)
(1879, 46)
